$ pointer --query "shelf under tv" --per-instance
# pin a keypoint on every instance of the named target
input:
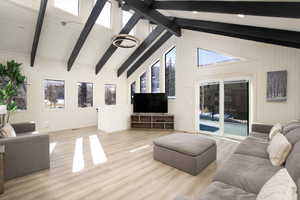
(152, 121)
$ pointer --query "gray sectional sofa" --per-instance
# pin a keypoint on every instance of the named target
(26, 153)
(249, 168)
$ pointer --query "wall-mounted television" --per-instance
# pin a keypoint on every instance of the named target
(150, 103)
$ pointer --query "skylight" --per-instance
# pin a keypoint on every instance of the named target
(70, 6)
(206, 57)
(104, 18)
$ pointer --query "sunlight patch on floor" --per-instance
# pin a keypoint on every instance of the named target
(140, 148)
(78, 160)
(97, 150)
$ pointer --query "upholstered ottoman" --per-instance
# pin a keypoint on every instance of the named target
(188, 152)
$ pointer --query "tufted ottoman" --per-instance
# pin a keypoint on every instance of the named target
(188, 152)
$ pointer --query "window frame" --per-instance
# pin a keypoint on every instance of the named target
(110, 15)
(43, 86)
(145, 72)
(78, 9)
(130, 93)
(165, 64)
(235, 59)
(92, 95)
(159, 79)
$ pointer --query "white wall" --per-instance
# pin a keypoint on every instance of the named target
(71, 116)
(257, 60)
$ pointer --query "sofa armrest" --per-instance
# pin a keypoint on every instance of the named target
(261, 128)
(24, 127)
(25, 154)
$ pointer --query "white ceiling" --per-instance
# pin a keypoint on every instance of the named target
(18, 19)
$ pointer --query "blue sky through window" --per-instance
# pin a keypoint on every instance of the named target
(206, 57)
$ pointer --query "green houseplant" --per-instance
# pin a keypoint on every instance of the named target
(11, 78)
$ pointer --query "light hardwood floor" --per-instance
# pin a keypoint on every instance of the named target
(129, 173)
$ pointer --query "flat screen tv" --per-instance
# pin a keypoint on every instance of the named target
(150, 103)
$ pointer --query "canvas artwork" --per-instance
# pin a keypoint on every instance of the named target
(277, 86)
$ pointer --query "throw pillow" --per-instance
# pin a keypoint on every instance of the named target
(279, 187)
(278, 149)
(7, 131)
(292, 125)
(277, 128)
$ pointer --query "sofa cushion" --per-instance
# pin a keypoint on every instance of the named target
(259, 136)
(246, 172)
(293, 162)
(279, 149)
(290, 126)
(293, 136)
(221, 191)
(189, 144)
(253, 147)
(280, 187)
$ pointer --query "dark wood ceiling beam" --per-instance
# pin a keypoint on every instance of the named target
(152, 15)
(149, 53)
(111, 49)
(259, 34)
(141, 48)
(86, 31)
(271, 9)
(38, 29)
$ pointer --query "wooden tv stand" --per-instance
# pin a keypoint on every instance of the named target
(152, 121)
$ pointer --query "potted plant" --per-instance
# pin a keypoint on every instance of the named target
(11, 78)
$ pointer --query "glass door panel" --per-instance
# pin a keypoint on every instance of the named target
(209, 108)
(236, 108)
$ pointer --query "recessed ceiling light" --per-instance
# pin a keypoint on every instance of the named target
(241, 15)
(194, 12)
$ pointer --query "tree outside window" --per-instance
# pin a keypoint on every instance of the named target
(155, 68)
(85, 95)
(132, 91)
(170, 61)
(110, 94)
(54, 91)
(143, 83)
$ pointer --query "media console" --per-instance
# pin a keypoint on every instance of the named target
(152, 121)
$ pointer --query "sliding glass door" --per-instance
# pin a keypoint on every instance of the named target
(209, 108)
(224, 108)
(236, 108)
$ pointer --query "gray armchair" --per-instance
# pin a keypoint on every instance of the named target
(26, 153)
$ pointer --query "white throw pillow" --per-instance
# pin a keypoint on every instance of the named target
(277, 128)
(279, 187)
(278, 149)
(8, 131)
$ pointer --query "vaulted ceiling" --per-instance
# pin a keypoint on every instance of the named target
(58, 41)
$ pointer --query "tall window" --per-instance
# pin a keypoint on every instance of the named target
(70, 6)
(126, 15)
(104, 18)
(85, 95)
(155, 77)
(206, 57)
(132, 91)
(170, 60)
(143, 83)
(110, 94)
(54, 94)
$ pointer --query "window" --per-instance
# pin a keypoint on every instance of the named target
(126, 15)
(143, 83)
(70, 6)
(21, 97)
(110, 94)
(206, 57)
(85, 95)
(54, 92)
(170, 59)
(104, 18)
(155, 77)
(132, 91)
